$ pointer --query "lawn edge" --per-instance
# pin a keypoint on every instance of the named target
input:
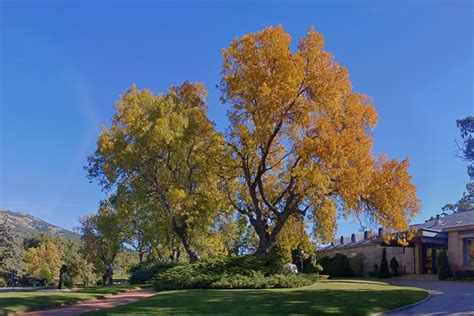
(53, 306)
(398, 309)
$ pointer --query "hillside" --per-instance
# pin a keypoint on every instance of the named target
(27, 225)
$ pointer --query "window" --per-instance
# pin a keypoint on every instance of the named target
(469, 253)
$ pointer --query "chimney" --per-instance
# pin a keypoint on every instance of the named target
(353, 238)
(366, 235)
(342, 240)
(437, 217)
(380, 231)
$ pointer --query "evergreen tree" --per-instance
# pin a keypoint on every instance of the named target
(384, 273)
(444, 270)
(394, 266)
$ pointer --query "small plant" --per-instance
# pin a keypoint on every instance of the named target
(394, 266)
(444, 271)
(384, 273)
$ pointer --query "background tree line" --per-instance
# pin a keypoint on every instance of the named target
(46, 260)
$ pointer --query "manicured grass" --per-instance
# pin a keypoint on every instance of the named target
(328, 297)
(17, 301)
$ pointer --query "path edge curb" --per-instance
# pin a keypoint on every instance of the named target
(398, 309)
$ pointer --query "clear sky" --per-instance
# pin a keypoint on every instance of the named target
(64, 64)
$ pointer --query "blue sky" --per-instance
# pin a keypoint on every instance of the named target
(64, 64)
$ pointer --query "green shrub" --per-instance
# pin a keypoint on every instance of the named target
(384, 273)
(394, 266)
(230, 272)
(356, 263)
(3, 282)
(337, 266)
(310, 265)
(144, 272)
(467, 275)
(444, 271)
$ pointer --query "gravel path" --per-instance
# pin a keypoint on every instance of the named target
(97, 304)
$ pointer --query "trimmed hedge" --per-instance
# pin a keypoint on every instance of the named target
(144, 272)
(337, 266)
(467, 275)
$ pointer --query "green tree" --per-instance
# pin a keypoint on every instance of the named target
(11, 252)
(384, 272)
(103, 236)
(394, 266)
(300, 139)
(164, 149)
(465, 152)
(442, 264)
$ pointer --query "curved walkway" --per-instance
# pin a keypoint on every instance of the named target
(447, 298)
(91, 305)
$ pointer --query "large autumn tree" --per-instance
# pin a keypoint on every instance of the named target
(163, 150)
(301, 140)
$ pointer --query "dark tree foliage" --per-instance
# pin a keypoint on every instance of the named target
(466, 152)
(394, 266)
(466, 127)
(384, 273)
(444, 270)
(337, 266)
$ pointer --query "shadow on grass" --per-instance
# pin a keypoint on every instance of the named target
(304, 301)
(22, 301)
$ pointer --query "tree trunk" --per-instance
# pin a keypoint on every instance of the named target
(182, 233)
(267, 239)
(61, 281)
(193, 256)
(265, 245)
(109, 275)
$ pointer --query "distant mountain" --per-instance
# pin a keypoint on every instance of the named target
(26, 225)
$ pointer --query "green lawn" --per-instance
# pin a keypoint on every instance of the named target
(17, 301)
(328, 297)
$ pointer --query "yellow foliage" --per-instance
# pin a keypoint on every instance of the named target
(45, 258)
(294, 236)
(301, 140)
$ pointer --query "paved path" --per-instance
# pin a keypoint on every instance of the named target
(448, 298)
(91, 305)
